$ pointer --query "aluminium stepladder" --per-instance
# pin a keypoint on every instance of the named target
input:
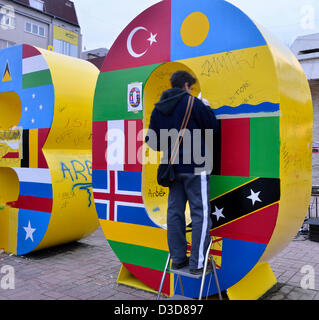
(185, 272)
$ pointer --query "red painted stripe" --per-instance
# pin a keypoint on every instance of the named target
(29, 51)
(257, 227)
(118, 197)
(150, 277)
(119, 57)
(111, 196)
(217, 240)
(11, 155)
(216, 252)
(33, 203)
(133, 158)
(99, 145)
(212, 252)
(235, 147)
(42, 137)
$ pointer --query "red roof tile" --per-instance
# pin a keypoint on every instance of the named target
(98, 62)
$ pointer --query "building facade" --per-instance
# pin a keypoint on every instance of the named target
(96, 56)
(48, 24)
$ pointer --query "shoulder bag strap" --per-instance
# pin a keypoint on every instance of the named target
(183, 127)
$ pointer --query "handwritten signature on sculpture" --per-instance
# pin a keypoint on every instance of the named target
(84, 186)
(76, 170)
(228, 62)
(156, 193)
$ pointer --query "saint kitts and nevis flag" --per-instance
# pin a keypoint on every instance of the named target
(245, 188)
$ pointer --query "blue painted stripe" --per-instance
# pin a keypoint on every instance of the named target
(37, 107)
(100, 179)
(39, 222)
(101, 210)
(229, 29)
(134, 215)
(238, 259)
(40, 190)
(130, 181)
(12, 56)
(265, 107)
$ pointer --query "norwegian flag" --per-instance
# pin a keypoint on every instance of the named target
(117, 171)
(118, 197)
(112, 196)
(117, 145)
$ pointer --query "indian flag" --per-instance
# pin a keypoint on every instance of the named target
(35, 70)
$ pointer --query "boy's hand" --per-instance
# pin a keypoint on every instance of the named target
(205, 101)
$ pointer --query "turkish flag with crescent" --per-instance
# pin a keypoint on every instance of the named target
(145, 41)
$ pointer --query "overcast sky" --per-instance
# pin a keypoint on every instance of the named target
(102, 20)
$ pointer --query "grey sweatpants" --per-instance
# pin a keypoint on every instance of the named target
(195, 189)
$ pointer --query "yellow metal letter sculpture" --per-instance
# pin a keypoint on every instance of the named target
(261, 184)
(46, 103)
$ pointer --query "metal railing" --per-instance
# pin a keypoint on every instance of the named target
(313, 210)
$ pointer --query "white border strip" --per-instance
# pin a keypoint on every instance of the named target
(116, 140)
(249, 115)
(33, 175)
(34, 64)
(125, 192)
(205, 218)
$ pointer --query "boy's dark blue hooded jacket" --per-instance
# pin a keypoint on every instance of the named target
(168, 114)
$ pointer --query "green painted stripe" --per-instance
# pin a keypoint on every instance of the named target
(139, 256)
(36, 79)
(223, 184)
(110, 101)
(265, 147)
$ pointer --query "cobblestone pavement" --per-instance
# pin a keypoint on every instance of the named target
(293, 268)
(88, 269)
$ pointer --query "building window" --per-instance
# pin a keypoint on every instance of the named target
(28, 27)
(36, 4)
(41, 32)
(65, 41)
(34, 29)
(7, 17)
(66, 48)
(6, 44)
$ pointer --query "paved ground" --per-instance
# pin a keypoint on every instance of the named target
(88, 269)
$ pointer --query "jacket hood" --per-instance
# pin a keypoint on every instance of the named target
(169, 100)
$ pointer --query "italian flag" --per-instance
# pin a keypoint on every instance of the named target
(35, 70)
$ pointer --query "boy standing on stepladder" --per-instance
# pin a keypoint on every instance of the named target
(178, 109)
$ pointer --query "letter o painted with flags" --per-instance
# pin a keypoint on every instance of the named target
(260, 186)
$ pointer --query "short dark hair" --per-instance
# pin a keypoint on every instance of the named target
(179, 78)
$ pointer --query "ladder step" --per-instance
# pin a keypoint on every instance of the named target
(185, 272)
